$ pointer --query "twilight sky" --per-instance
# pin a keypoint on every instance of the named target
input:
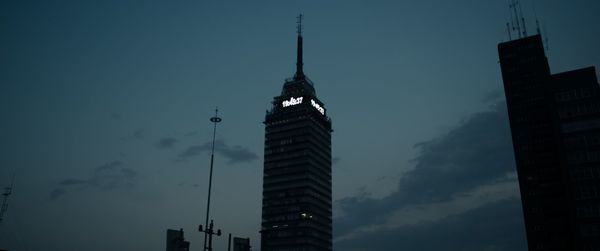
(104, 109)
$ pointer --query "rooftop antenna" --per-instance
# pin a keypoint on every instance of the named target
(209, 232)
(522, 19)
(537, 22)
(545, 35)
(7, 192)
(508, 30)
(299, 71)
(510, 27)
(513, 6)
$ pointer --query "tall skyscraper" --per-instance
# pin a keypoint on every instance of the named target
(296, 207)
(555, 125)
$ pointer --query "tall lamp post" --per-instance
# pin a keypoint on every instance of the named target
(209, 231)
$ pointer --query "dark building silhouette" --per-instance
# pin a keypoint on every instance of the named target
(241, 244)
(555, 125)
(175, 241)
(296, 207)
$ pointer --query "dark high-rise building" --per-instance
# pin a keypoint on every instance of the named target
(296, 207)
(176, 242)
(555, 125)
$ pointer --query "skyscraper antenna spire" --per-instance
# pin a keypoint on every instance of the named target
(299, 72)
(299, 25)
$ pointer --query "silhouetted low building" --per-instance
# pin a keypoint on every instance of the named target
(176, 242)
(241, 244)
(555, 126)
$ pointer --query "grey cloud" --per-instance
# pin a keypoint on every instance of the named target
(111, 175)
(495, 226)
(110, 166)
(193, 151)
(115, 116)
(192, 133)
(69, 182)
(57, 193)
(129, 173)
(475, 153)
(183, 184)
(493, 96)
(166, 143)
(136, 135)
(235, 154)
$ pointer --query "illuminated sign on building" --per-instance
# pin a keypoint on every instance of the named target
(296, 101)
(292, 101)
(317, 106)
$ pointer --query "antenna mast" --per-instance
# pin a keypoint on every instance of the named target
(7, 192)
(209, 232)
(513, 6)
(299, 26)
(522, 19)
(537, 22)
(546, 40)
(299, 63)
(510, 26)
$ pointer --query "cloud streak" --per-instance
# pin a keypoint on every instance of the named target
(166, 143)
(234, 154)
(492, 227)
(112, 175)
(459, 172)
(138, 134)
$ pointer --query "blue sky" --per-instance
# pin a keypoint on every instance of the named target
(105, 108)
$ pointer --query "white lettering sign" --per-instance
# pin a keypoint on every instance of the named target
(292, 101)
(317, 106)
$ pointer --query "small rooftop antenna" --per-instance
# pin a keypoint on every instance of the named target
(545, 35)
(511, 24)
(522, 19)
(513, 6)
(537, 22)
(7, 192)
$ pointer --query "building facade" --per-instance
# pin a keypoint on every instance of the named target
(176, 241)
(241, 244)
(555, 126)
(296, 206)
